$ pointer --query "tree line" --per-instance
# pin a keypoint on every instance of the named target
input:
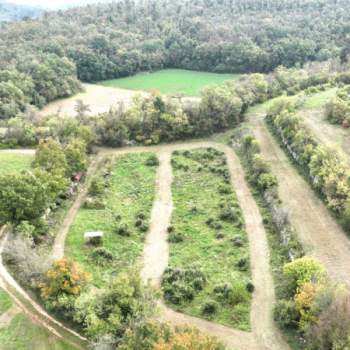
(41, 59)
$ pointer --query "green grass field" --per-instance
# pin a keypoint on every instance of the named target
(199, 194)
(132, 191)
(10, 163)
(5, 302)
(22, 334)
(171, 81)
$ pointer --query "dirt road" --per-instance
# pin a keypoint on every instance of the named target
(318, 231)
(264, 335)
(328, 134)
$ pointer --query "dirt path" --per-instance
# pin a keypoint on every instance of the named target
(33, 310)
(7, 317)
(58, 246)
(156, 251)
(326, 133)
(318, 231)
(264, 335)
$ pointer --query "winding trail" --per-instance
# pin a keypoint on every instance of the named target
(318, 231)
(264, 336)
(58, 246)
(31, 308)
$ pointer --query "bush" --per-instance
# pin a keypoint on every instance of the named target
(210, 307)
(95, 203)
(301, 271)
(332, 330)
(101, 255)
(286, 314)
(97, 186)
(144, 227)
(181, 285)
(231, 294)
(175, 237)
(152, 160)
(237, 241)
(250, 287)
(123, 229)
(243, 264)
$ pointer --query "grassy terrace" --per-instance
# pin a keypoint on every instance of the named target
(215, 245)
(10, 163)
(170, 81)
(131, 192)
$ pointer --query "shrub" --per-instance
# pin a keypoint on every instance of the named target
(229, 214)
(175, 237)
(62, 285)
(332, 330)
(250, 287)
(231, 293)
(144, 227)
(95, 203)
(286, 314)
(97, 186)
(301, 271)
(101, 255)
(123, 229)
(116, 309)
(225, 189)
(210, 307)
(152, 160)
(237, 241)
(243, 264)
(181, 285)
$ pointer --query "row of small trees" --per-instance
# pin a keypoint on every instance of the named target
(337, 110)
(263, 181)
(26, 197)
(325, 167)
(155, 119)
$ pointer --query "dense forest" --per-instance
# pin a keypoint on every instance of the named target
(10, 12)
(41, 60)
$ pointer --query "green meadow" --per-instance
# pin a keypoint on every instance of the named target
(171, 81)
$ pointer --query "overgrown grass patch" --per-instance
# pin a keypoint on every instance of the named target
(128, 199)
(14, 163)
(171, 81)
(209, 270)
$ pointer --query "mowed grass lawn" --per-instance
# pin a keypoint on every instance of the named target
(217, 246)
(171, 81)
(131, 192)
(12, 163)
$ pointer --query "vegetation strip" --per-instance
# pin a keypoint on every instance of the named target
(207, 227)
(325, 168)
(121, 211)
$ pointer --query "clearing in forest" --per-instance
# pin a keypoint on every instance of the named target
(13, 162)
(209, 270)
(119, 204)
(171, 81)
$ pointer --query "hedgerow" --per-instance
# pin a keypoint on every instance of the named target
(325, 167)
